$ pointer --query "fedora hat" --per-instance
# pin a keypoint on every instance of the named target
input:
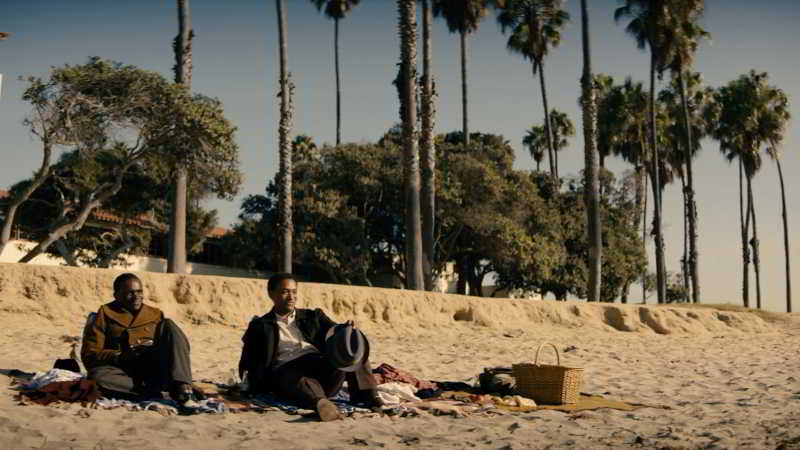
(346, 347)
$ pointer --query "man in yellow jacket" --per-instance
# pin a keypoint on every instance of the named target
(132, 351)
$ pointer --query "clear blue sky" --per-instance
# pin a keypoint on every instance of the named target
(235, 59)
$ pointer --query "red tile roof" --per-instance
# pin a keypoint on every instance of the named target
(141, 219)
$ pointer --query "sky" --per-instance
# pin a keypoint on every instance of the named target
(235, 56)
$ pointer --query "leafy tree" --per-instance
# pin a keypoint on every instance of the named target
(128, 221)
(569, 249)
(52, 121)
(336, 10)
(141, 118)
(536, 26)
(462, 17)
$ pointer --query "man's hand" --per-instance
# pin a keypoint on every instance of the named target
(131, 355)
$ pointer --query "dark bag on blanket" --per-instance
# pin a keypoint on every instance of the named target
(497, 380)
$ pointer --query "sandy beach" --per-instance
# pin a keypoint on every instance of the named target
(720, 378)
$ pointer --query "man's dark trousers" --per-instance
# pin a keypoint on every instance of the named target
(152, 370)
(312, 377)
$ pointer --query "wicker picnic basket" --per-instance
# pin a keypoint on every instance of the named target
(548, 384)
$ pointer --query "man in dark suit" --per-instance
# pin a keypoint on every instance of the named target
(283, 354)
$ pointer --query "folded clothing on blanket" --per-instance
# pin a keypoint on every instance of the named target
(82, 390)
(386, 374)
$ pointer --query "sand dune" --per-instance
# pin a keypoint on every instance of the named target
(730, 378)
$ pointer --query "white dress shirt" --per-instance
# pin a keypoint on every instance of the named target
(291, 344)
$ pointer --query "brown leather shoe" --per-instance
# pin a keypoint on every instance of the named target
(327, 411)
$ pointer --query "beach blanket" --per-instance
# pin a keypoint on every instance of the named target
(516, 403)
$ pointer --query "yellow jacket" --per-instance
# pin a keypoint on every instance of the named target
(103, 340)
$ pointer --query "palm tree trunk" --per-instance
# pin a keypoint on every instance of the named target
(685, 258)
(661, 270)
(176, 263)
(590, 156)
(785, 240)
(428, 152)
(464, 121)
(691, 205)
(754, 241)
(644, 237)
(744, 220)
(338, 85)
(408, 52)
(547, 128)
(285, 159)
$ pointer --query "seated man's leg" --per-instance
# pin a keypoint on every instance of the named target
(362, 386)
(114, 382)
(170, 362)
(308, 379)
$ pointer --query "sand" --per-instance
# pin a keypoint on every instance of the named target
(731, 379)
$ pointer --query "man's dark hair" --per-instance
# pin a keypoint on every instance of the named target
(120, 280)
(275, 280)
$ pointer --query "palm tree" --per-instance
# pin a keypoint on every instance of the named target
(176, 262)
(591, 196)
(623, 124)
(773, 115)
(684, 100)
(284, 149)
(684, 35)
(561, 129)
(749, 114)
(606, 119)
(647, 27)
(536, 142)
(462, 17)
(408, 113)
(427, 150)
(535, 26)
(336, 10)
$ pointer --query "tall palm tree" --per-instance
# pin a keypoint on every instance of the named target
(623, 124)
(536, 141)
(427, 151)
(408, 55)
(606, 119)
(684, 34)
(647, 27)
(535, 26)
(462, 17)
(591, 197)
(749, 115)
(336, 10)
(773, 115)
(685, 100)
(561, 128)
(284, 149)
(176, 262)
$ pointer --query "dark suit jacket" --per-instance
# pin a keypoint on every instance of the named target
(261, 344)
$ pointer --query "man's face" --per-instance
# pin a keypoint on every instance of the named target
(284, 297)
(130, 295)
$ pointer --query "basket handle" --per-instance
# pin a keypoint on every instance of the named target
(558, 356)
